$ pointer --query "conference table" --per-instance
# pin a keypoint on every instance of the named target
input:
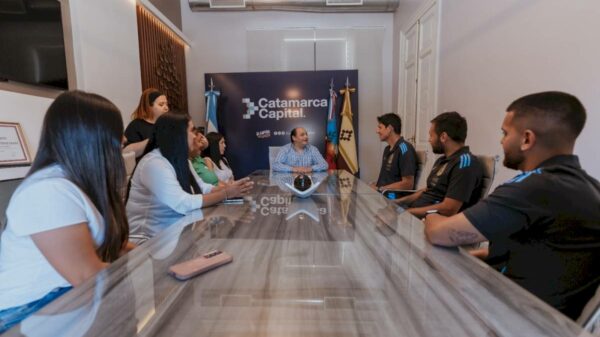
(343, 262)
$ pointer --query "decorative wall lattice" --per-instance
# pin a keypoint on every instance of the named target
(162, 59)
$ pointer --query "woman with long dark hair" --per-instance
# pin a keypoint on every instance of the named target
(66, 221)
(153, 103)
(165, 186)
(214, 155)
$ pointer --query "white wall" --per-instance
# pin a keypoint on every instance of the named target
(107, 62)
(28, 111)
(492, 52)
(105, 43)
(219, 45)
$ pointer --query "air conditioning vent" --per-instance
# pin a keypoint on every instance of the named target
(344, 2)
(227, 4)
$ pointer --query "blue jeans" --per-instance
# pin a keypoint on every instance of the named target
(13, 316)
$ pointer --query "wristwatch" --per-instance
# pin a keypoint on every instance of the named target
(431, 211)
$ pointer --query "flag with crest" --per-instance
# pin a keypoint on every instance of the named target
(348, 158)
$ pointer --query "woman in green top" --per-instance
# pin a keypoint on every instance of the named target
(206, 174)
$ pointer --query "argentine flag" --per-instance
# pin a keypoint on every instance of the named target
(211, 110)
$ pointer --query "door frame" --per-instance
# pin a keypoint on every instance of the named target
(414, 20)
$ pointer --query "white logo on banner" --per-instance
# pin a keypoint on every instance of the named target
(280, 108)
(250, 108)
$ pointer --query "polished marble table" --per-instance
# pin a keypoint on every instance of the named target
(343, 262)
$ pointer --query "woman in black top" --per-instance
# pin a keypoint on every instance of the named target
(152, 105)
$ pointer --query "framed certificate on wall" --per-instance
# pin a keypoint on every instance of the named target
(13, 148)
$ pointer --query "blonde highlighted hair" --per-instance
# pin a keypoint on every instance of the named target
(143, 110)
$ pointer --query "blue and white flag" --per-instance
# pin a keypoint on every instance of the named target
(331, 141)
(211, 110)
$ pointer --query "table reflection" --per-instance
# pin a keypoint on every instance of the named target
(334, 182)
(343, 262)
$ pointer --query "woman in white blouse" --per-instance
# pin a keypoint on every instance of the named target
(164, 186)
(214, 155)
(66, 221)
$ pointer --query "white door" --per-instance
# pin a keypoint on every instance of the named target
(427, 75)
(408, 83)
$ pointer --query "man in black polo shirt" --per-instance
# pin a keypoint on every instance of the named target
(548, 217)
(455, 181)
(399, 164)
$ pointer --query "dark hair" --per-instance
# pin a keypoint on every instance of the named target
(200, 129)
(170, 137)
(293, 134)
(213, 151)
(552, 115)
(147, 99)
(391, 119)
(82, 133)
(453, 124)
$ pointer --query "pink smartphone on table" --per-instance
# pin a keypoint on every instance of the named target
(211, 260)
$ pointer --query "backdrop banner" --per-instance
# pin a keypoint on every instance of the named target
(257, 110)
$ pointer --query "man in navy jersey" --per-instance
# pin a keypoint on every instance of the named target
(547, 218)
(399, 163)
(456, 179)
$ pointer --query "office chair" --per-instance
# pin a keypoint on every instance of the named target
(273, 152)
(489, 172)
(129, 159)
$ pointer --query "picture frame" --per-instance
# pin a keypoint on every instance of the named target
(13, 146)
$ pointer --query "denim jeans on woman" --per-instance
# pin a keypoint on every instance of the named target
(13, 316)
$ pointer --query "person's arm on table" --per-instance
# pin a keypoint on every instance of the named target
(237, 189)
(127, 247)
(447, 207)
(301, 169)
(406, 183)
(407, 200)
(319, 162)
(278, 164)
(451, 231)
(71, 251)
(480, 253)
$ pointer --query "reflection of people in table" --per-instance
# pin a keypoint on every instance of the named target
(299, 156)
(546, 217)
(280, 179)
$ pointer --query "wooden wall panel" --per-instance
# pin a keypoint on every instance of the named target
(162, 59)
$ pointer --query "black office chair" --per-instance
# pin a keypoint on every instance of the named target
(489, 172)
